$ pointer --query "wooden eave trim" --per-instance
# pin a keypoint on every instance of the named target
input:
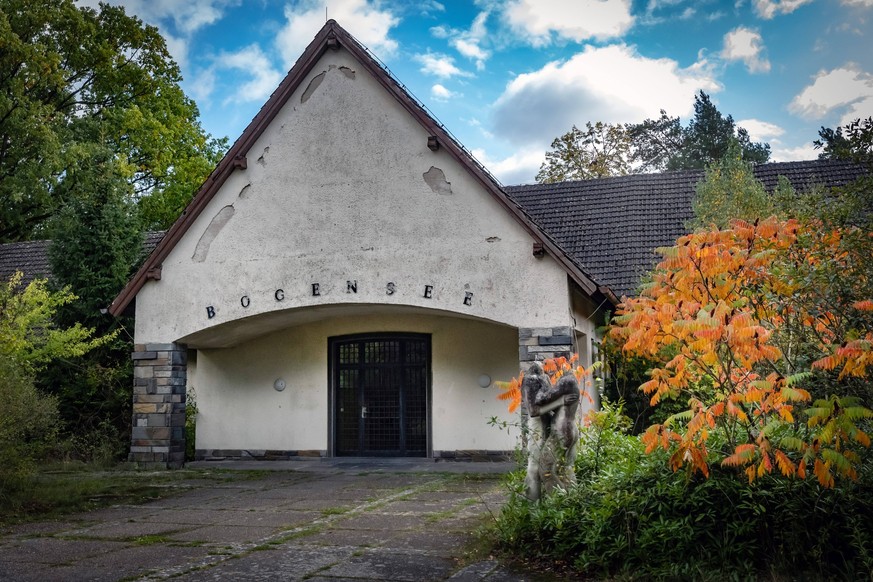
(268, 112)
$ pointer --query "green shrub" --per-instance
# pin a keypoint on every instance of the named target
(190, 424)
(630, 516)
(28, 425)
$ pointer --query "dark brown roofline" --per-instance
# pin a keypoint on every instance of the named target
(332, 35)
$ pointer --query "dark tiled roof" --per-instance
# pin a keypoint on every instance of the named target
(31, 257)
(611, 226)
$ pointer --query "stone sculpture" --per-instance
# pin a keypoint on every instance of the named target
(552, 432)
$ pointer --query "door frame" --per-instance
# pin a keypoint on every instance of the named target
(332, 387)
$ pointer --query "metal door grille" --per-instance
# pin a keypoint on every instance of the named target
(381, 394)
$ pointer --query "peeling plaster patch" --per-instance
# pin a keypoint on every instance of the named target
(244, 193)
(317, 80)
(313, 85)
(492, 239)
(436, 179)
(261, 159)
(218, 222)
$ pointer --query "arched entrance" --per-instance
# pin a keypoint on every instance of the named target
(380, 388)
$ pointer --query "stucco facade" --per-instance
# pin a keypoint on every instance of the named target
(343, 216)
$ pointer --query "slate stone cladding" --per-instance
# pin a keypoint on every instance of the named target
(159, 378)
(542, 343)
(610, 227)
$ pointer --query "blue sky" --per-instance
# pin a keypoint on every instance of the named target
(507, 76)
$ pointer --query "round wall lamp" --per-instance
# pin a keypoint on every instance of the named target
(279, 384)
(484, 380)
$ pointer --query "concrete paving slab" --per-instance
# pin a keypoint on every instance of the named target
(348, 519)
(130, 562)
(290, 563)
(275, 519)
(224, 533)
(348, 537)
(186, 516)
(318, 504)
(382, 564)
(388, 522)
(49, 550)
(127, 530)
(431, 542)
(43, 528)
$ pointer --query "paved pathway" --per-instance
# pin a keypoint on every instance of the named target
(318, 520)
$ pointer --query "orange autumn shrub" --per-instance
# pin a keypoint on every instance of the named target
(740, 320)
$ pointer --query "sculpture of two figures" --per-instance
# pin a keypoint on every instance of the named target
(552, 432)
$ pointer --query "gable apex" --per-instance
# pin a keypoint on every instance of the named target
(331, 37)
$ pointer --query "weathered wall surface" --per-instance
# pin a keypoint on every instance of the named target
(342, 202)
(240, 409)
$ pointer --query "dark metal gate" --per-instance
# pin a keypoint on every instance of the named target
(380, 388)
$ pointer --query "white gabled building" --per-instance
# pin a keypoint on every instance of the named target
(348, 281)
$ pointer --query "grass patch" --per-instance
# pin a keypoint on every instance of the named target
(150, 540)
(328, 511)
(58, 489)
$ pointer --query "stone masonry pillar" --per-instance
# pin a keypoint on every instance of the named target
(159, 378)
(541, 343)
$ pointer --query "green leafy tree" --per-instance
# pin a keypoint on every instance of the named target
(730, 191)
(600, 150)
(96, 245)
(663, 144)
(72, 76)
(29, 335)
(655, 142)
(31, 338)
(852, 142)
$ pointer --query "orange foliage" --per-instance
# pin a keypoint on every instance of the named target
(717, 303)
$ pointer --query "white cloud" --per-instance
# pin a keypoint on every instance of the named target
(577, 20)
(471, 50)
(368, 23)
(806, 151)
(745, 44)
(468, 42)
(613, 84)
(760, 130)
(519, 168)
(439, 31)
(251, 61)
(666, 10)
(861, 3)
(178, 48)
(439, 65)
(474, 122)
(767, 9)
(425, 7)
(188, 16)
(203, 86)
(847, 90)
(440, 93)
